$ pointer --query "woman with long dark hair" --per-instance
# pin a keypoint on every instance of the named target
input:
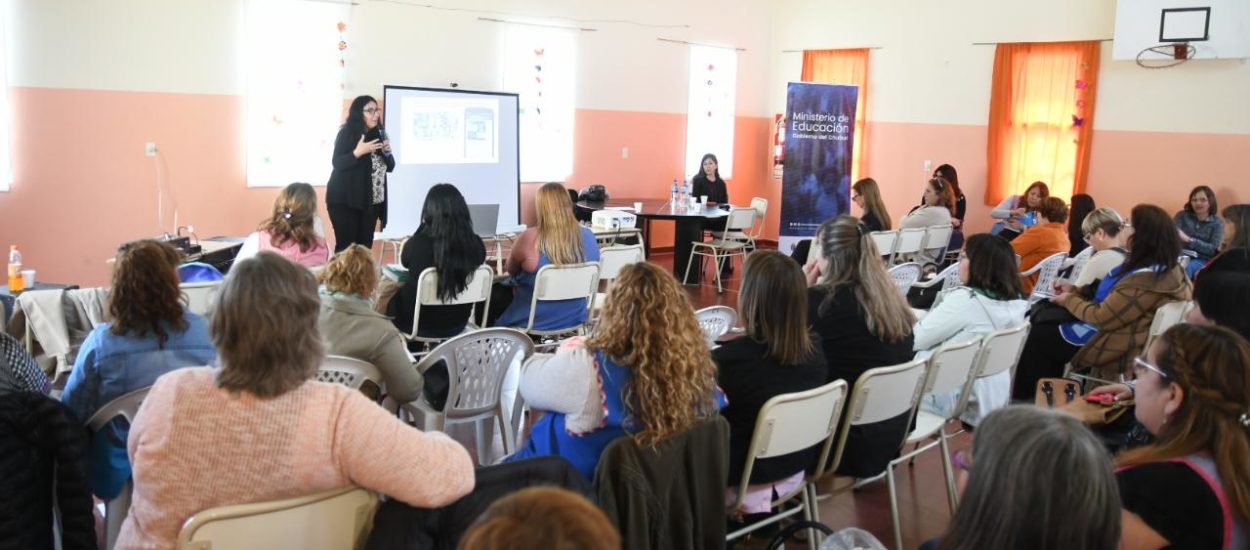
(150, 333)
(356, 192)
(948, 173)
(1112, 317)
(707, 181)
(446, 242)
(1081, 205)
(1235, 252)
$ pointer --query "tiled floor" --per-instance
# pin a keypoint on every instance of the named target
(921, 490)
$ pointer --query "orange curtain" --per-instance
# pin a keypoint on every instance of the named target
(844, 67)
(1041, 118)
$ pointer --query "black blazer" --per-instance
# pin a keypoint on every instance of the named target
(351, 181)
(715, 190)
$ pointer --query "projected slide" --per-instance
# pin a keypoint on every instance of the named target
(449, 130)
(466, 138)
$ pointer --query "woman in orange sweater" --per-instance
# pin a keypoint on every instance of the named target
(1043, 240)
(259, 428)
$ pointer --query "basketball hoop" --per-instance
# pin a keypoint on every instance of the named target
(1164, 56)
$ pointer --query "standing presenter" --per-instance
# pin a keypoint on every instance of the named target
(356, 192)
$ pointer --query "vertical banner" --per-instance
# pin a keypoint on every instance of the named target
(816, 182)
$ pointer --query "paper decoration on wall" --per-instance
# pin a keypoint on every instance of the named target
(1078, 121)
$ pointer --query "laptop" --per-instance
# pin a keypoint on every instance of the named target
(485, 219)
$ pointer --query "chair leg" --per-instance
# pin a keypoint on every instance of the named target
(689, 262)
(898, 529)
(948, 473)
(505, 428)
(115, 513)
(720, 262)
(484, 431)
(807, 515)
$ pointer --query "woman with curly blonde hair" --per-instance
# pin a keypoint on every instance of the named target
(150, 334)
(291, 230)
(645, 372)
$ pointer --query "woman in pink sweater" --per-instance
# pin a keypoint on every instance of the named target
(258, 428)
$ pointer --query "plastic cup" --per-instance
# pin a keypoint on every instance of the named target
(28, 278)
(703, 199)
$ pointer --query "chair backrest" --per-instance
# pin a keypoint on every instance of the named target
(476, 365)
(1000, 350)
(353, 373)
(200, 296)
(910, 241)
(1047, 271)
(1183, 261)
(760, 205)
(881, 394)
(740, 219)
(1167, 315)
(614, 258)
(564, 282)
(1079, 261)
(952, 367)
(716, 321)
(885, 241)
(126, 406)
(792, 422)
(937, 237)
(476, 292)
(905, 275)
(328, 520)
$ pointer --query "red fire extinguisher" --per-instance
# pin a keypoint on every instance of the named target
(779, 144)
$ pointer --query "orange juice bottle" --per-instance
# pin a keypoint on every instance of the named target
(15, 269)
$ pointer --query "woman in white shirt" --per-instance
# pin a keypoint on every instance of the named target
(1103, 231)
(992, 300)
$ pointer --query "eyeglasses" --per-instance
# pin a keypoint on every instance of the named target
(1143, 363)
(372, 110)
(962, 461)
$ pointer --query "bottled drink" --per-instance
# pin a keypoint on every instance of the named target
(672, 195)
(15, 269)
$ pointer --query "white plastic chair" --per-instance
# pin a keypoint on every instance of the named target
(789, 423)
(1078, 262)
(127, 407)
(476, 292)
(353, 373)
(1047, 271)
(1000, 351)
(1167, 315)
(948, 279)
(937, 238)
(880, 394)
(909, 242)
(724, 249)
(950, 368)
(885, 241)
(563, 282)
(905, 275)
(749, 235)
(477, 363)
(329, 520)
(611, 261)
(200, 296)
(716, 321)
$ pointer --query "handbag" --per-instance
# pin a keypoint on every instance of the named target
(1046, 312)
(1065, 395)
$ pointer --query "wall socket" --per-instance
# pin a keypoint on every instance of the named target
(149, 149)
(624, 152)
(928, 167)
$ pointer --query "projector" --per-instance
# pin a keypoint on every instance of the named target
(613, 219)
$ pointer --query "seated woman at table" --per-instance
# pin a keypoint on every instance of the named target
(558, 240)
(708, 183)
(446, 242)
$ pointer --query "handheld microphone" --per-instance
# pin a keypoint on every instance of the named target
(382, 136)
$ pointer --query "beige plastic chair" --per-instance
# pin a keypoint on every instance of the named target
(885, 241)
(725, 249)
(127, 407)
(789, 423)
(749, 236)
(950, 368)
(353, 373)
(611, 261)
(200, 296)
(563, 282)
(716, 321)
(1047, 271)
(909, 243)
(937, 238)
(477, 292)
(1000, 351)
(1167, 315)
(880, 394)
(948, 278)
(477, 363)
(905, 275)
(330, 520)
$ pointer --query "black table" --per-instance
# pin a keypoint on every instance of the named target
(689, 222)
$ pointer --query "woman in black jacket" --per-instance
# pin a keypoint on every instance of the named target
(356, 193)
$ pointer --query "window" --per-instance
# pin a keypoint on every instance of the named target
(710, 111)
(294, 62)
(6, 114)
(845, 67)
(538, 64)
(1041, 118)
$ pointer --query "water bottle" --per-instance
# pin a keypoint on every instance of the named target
(672, 195)
(15, 269)
(685, 190)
